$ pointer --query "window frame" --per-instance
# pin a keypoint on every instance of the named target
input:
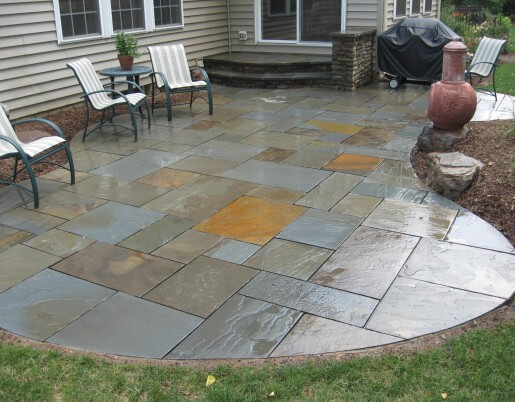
(430, 7)
(395, 16)
(106, 22)
(288, 11)
(411, 13)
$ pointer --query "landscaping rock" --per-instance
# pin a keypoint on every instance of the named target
(435, 139)
(451, 173)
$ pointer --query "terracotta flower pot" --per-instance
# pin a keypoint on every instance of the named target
(126, 61)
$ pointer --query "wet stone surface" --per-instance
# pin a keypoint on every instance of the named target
(288, 222)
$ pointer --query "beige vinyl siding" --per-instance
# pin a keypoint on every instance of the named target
(362, 14)
(33, 73)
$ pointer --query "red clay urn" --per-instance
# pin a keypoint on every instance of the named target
(452, 101)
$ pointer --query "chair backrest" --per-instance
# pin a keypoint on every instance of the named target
(7, 130)
(488, 50)
(89, 82)
(171, 61)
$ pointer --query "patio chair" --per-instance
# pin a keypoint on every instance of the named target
(32, 152)
(483, 63)
(171, 72)
(96, 95)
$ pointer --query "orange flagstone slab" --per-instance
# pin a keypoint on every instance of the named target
(342, 128)
(168, 178)
(354, 164)
(252, 220)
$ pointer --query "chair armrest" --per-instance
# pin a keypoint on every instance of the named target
(480, 62)
(163, 78)
(111, 91)
(125, 82)
(45, 121)
(203, 72)
(17, 146)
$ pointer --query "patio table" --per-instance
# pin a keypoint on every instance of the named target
(132, 75)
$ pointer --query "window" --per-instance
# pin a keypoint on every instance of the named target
(415, 7)
(428, 6)
(79, 18)
(82, 19)
(282, 7)
(400, 8)
(167, 12)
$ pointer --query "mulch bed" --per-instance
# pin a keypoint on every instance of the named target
(72, 121)
(492, 195)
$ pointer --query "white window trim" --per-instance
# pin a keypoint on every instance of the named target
(419, 8)
(288, 9)
(258, 12)
(106, 22)
(395, 16)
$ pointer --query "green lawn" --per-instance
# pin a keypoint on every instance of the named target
(475, 366)
(504, 79)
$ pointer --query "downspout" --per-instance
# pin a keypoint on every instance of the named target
(229, 22)
(385, 16)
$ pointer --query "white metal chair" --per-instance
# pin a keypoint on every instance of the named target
(96, 95)
(32, 152)
(171, 72)
(483, 63)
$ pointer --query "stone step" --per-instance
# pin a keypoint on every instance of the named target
(270, 80)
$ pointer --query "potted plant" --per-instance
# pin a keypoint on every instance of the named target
(127, 47)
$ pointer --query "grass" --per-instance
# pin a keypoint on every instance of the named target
(504, 79)
(478, 365)
(511, 41)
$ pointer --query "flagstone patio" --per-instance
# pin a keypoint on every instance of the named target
(289, 222)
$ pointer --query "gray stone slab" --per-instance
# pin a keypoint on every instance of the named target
(202, 286)
(400, 144)
(379, 153)
(278, 140)
(241, 328)
(439, 200)
(201, 198)
(315, 155)
(462, 267)
(413, 219)
(396, 168)
(273, 174)
(367, 263)
(199, 164)
(366, 187)
(84, 161)
(397, 181)
(126, 192)
(29, 221)
(289, 258)
(12, 197)
(471, 230)
(111, 222)
(230, 151)
(139, 164)
(334, 137)
(339, 117)
(411, 308)
(321, 228)
(123, 145)
(20, 262)
(310, 298)
(330, 191)
(46, 302)
(314, 335)
(188, 246)
(232, 251)
(393, 116)
(59, 242)
(357, 205)
(126, 325)
(287, 124)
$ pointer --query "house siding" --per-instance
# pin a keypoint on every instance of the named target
(33, 72)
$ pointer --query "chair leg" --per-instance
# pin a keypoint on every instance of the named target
(148, 113)
(134, 124)
(102, 119)
(70, 161)
(15, 172)
(210, 98)
(87, 122)
(191, 99)
(169, 104)
(32, 178)
(493, 82)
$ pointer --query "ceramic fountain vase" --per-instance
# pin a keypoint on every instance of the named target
(452, 101)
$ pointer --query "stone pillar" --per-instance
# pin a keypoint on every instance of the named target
(353, 59)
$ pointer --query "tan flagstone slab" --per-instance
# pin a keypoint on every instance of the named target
(273, 155)
(19, 262)
(118, 268)
(86, 160)
(203, 125)
(332, 126)
(313, 335)
(372, 137)
(354, 164)
(337, 107)
(202, 286)
(29, 220)
(168, 178)
(201, 164)
(316, 154)
(398, 181)
(278, 140)
(315, 103)
(330, 191)
(276, 194)
(171, 147)
(201, 198)
(188, 246)
(243, 126)
(63, 176)
(357, 205)
(59, 243)
(221, 115)
(123, 145)
(251, 220)
(10, 236)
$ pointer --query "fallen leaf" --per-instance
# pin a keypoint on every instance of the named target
(210, 380)
(272, 394)
(443, 395)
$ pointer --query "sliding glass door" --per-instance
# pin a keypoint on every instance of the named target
(300, 20)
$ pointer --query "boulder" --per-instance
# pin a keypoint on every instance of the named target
(452, 173)
(435, 139)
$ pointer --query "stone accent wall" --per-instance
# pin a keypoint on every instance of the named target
(353, 59)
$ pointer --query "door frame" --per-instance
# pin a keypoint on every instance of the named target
(258, 28)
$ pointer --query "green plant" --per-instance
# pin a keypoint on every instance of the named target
(127, 45)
